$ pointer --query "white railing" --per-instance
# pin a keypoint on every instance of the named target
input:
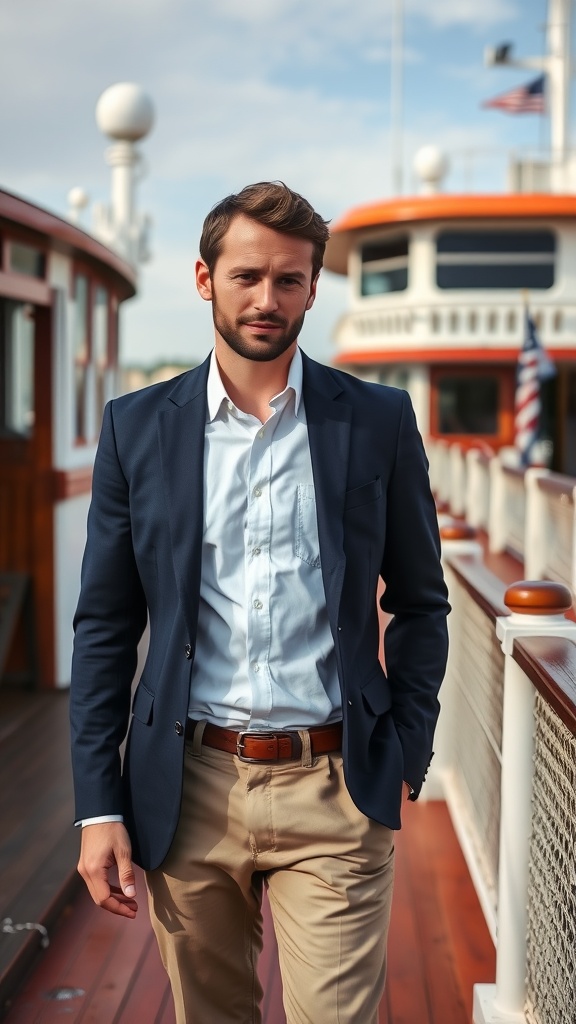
(507, 514)
(505, 763)
(477, 501)
(378, 321)
(528, 513)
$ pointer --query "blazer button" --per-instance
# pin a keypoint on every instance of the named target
(188, 651)
(178, 728)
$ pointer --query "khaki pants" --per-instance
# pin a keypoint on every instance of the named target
(294, 828)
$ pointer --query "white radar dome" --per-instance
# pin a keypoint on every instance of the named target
(78, 198)
(431, 166)
(124, 111)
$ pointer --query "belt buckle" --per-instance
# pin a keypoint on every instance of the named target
(258, 735)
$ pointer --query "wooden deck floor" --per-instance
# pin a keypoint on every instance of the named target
(102, 970)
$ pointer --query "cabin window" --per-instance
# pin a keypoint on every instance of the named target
(467, 404)
(24, 259)
(100, 347)
(495, 259)
(81, 344)
(16, 369)
(384, 267)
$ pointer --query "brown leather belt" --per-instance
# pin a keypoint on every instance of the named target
(279, 745)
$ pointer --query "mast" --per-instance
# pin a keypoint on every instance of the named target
(557, 66)
(559, 75)
(396, 96)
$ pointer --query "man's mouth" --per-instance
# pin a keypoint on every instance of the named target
(264, 325)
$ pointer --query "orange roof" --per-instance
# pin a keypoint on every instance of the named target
(433, 355)
(409, 209)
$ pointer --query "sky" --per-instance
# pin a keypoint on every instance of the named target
(251, 90)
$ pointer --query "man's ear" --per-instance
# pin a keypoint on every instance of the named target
(203, 281)
(312, 294)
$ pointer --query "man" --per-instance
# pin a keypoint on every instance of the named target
(249, 508)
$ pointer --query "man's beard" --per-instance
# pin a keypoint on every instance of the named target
(261, 348)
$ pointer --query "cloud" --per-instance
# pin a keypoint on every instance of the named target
(476, 14)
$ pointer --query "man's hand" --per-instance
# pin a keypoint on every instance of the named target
(105, 846)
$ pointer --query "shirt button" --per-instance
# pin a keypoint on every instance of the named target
(257, 604)
(261, 433)
(230, 405)
(188, 651)
(178, 728)
(256, 666)
(256, 551)
(257, 492)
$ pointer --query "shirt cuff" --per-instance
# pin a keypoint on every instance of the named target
(100, 820)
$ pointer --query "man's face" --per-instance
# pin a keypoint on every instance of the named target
(260, 289)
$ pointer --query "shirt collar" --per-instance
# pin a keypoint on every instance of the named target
(216, 392)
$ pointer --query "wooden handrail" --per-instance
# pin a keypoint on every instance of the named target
(557, 484)
(514, 471)
(550, 664)
(486, 588)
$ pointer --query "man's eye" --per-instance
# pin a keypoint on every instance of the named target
(289, 280)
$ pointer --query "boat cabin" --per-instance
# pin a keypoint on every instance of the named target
(438, 290)
(60, 292)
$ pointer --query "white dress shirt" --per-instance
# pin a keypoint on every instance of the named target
(264, 650)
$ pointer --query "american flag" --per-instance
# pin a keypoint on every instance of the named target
(534, 366)
(524, 99)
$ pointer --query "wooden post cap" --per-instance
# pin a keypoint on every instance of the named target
(538, 597)
(457, 531)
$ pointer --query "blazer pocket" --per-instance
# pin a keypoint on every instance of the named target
(363, 495)
(143, 705)
(376, 693)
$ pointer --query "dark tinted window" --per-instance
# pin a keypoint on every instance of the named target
(384, 266)
(378, 282)
(384, 250)
(495, 259)
(495, 275)
(26, 260)
(468, 405)
(496, 241)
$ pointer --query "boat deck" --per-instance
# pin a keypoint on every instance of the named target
(99, 969)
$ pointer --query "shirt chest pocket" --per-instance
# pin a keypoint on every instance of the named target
(306, 544)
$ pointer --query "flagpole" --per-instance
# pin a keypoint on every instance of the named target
(396, 97)
(557, 66)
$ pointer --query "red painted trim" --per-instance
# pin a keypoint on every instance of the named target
(443, 355)
(69, 483)
(25, 289)
(67, 238)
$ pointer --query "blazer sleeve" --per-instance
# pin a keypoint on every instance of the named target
(109, 621)
(416, 639)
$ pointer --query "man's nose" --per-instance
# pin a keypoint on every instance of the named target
(266, 300)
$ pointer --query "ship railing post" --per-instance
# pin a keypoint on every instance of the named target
(574, 542)
(497, 516)
(477, 499)
(537, 609)
(457, 539)
(537, 526)
(457, 479)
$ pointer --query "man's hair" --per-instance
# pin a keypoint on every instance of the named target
(270, 203)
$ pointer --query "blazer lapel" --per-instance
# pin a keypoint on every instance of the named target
(329, 436)
(181, 428)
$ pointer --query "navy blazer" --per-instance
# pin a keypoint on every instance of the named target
(376, 518)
